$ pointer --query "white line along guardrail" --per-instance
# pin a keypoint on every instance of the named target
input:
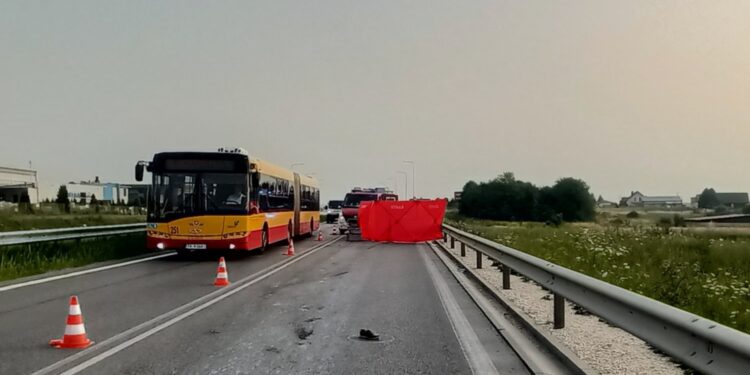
(696, 341)
(45, 235)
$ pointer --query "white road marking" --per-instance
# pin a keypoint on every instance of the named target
(84, 272)
(222, 294)
(527, 350)
(476, 356)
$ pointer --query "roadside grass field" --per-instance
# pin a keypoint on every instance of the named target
(702, 272)
(16, 221)
(31, 259)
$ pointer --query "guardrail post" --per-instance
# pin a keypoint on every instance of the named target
(559, 311)
(463, 249)
(445, 236)
(453, 242)
(506, 277)
(479, 259)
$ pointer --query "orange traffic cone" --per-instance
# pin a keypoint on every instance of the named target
(222, 278)
(290, 249)
(320, 235)
(75, 333)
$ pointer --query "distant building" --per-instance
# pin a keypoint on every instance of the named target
(15, 183)
(602, 203)
(137, 194)
(637, 199)
(84, 190)
(731, 200)
(667, 201)
(104, 192)
(634, 200)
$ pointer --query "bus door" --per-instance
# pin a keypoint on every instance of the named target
(297, 203)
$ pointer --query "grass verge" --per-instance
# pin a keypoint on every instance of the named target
(26, 260)
(14, 221)
(704, 273)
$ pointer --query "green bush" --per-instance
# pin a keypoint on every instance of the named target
(632, 215)
(708, 199)
(678, 220)
(665, 223)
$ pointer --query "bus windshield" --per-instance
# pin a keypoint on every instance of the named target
(353, 200)
(187, 194)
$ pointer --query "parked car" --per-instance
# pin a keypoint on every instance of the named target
(333, 210)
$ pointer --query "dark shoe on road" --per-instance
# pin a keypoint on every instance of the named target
(366, 334)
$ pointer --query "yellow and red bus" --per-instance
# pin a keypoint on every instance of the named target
(225, 200)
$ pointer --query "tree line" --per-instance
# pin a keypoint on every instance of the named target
(709, 199)
(506, 198)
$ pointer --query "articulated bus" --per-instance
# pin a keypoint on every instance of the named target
(225, 200)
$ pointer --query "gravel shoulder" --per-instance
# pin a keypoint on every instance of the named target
(607, 349)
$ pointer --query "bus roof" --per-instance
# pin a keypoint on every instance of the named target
(274, 170)
(261, 166)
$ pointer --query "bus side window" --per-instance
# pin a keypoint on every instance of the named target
(263, 200)
(253, 185)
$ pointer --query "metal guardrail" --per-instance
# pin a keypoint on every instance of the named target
(46, 235)
(700, 343)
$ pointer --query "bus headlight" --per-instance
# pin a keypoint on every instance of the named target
(160, 246)
(231, 246)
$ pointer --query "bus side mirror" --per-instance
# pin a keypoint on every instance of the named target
(139, 172)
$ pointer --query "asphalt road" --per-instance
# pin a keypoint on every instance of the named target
(281, 315)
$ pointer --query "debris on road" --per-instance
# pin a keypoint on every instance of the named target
(366, 334)
(303, 332)
(273, 349)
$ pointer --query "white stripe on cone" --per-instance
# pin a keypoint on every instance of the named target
(221, 275)
(74, 310)
(74, 329)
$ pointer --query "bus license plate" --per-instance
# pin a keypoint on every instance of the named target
(195, 246)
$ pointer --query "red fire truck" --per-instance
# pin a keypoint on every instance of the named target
(351, 204)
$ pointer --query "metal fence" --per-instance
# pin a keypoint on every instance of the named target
(46, 235)
(700, 343)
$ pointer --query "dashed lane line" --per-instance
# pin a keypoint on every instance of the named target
(174, 316)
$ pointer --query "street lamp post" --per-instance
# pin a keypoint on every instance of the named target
(406, 182)
(413, 179)
(395, 184)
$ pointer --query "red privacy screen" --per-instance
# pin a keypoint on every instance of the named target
(402, 221)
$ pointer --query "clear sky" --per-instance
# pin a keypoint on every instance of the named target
(646, 95)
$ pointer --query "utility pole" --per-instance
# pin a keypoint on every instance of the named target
(413, 179)
(406, 182)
